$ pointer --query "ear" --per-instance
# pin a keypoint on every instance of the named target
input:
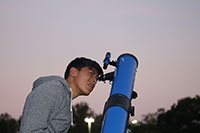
(73, 71)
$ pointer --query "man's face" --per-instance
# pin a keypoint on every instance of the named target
(85, 80)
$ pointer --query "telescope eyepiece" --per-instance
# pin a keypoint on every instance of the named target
(106, 61)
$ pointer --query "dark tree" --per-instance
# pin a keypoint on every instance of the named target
(80, 112)
(8, 124)
(97, 125)
(181, 118)
(148, 124)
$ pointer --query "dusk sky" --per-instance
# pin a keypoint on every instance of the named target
(40, 37)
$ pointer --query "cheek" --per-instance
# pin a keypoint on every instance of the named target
(84, 77)
(81, 79)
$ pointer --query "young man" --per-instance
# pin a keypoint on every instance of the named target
(48, 107)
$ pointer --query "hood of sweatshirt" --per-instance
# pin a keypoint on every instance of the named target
(42, 80)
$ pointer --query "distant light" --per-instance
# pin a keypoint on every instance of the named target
(134, 122)
(89, 120)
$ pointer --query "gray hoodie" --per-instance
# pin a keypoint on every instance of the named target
(48, 107)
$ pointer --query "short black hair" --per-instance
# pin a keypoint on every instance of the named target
(81, 62)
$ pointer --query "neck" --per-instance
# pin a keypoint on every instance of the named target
(74, 92)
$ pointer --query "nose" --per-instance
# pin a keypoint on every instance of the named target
(94, 79)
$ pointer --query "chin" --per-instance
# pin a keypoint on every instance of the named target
(88, 93)
(85, 93)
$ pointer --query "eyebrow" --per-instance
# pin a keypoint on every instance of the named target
(94, 71)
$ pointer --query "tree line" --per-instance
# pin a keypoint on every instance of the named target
(182, 117)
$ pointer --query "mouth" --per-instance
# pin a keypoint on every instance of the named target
(91, 85)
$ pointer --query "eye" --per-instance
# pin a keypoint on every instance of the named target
(91, 73)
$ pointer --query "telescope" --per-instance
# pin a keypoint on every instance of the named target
(118, 108)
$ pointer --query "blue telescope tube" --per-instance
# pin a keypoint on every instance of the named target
(116, 111)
